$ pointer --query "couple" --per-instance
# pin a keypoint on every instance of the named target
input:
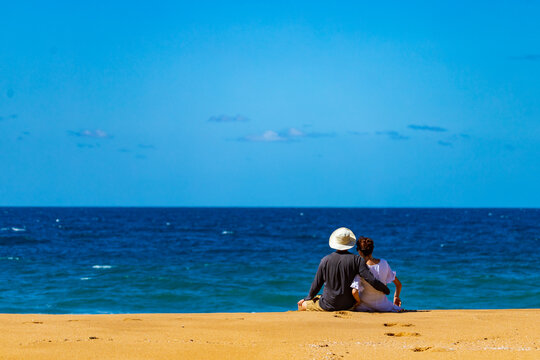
(352, 282)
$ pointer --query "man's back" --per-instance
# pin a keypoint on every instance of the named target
(339, 270)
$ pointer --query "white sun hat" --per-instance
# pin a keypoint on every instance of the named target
(342, 239)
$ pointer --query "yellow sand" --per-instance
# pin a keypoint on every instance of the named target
(449, 334)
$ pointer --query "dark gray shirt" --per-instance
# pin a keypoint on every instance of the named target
(336, 272)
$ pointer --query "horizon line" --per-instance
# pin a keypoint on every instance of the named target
(263, 207)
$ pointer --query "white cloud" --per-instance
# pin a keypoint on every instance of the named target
(290, 134)
(267, 136)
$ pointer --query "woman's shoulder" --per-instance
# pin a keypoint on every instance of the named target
(383, 262)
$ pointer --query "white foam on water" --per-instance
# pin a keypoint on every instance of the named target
(225, 232)
(85, 278)
(17, 229)
(101, 267)
(57, 220)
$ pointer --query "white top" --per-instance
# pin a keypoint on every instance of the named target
(372, 299)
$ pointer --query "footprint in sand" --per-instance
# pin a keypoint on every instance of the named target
(342, 314)
(33, 322)
(397, 324)
(400, 334)
(420, 349)
(130, 319)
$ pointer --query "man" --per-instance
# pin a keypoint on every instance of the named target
(336, 272)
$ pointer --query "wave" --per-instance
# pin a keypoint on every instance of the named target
(102, 267)
(12, 228)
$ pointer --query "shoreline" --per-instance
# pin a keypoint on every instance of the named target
(488, 334)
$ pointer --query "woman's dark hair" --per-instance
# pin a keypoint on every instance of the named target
(365, 245)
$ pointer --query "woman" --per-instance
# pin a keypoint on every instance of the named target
(367, 297)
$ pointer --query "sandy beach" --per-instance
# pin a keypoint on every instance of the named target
(448, 334)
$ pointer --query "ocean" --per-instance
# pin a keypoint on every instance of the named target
(190, 260)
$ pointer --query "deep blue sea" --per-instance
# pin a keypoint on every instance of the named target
(132, 260)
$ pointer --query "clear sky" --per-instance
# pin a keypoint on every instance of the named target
(270, 104)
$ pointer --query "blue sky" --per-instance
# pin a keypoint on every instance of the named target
(277, 104)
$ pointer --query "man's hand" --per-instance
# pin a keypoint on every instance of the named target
(300, 307)
(397, 301)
